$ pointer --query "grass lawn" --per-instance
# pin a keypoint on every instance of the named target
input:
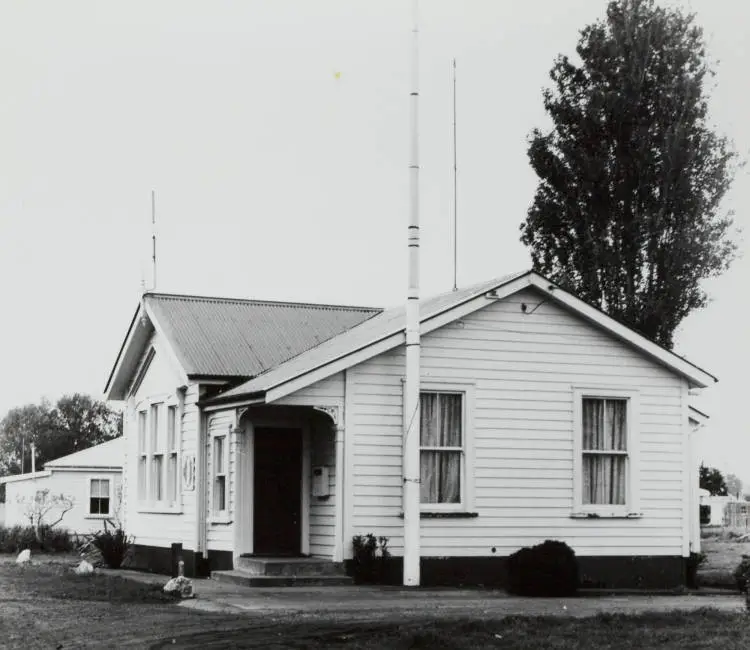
(672, 631)
(723, 554)
(45, 605)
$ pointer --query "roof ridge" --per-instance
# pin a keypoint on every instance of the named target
(254, 301)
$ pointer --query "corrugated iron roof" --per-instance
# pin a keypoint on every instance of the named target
(106, 454)
(224, 337)
(377, 328)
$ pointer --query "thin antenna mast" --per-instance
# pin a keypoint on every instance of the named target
(153, 237)
(455, 188)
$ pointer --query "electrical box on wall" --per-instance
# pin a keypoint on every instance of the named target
(320, 482)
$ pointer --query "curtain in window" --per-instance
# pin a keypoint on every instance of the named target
(440, 426)
(604, 429)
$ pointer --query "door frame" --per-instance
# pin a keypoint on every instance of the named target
(244, 534)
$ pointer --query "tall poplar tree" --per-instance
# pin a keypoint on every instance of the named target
(627, 211)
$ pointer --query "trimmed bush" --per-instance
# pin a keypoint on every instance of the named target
(549, 569)
(370, 559)
(114, 546)
(15, 539)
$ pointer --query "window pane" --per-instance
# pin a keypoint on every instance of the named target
(172, 478)
(142, 478)
(428, 425)
(220, 502)
(219, 455)
(604, 480)
(99, 487)
(440, 477)
(154, 427)
(171, 427)
(142, 431)
(157, 484)
(604, 424)
(450, 420)
(440, 420)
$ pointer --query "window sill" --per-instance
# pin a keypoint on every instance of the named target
(219, 520)
(606, 515)
(445, 514)
(97, 516)
(164, 510)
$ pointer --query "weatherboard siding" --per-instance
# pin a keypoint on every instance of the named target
(322, 509)
(159, 529)
(220, 535)
(523, 367)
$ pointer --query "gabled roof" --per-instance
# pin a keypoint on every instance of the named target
(386, 331)
(226, 338)
(106, 455)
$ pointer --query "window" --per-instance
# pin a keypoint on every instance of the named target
(142, 456)
(156, 450)
(172, 451)
(605, 454)
(159, 454)
(99, 496)
(220, 475)
(441, 453)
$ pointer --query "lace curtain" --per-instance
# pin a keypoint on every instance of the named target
(604, 451)
(441, 441)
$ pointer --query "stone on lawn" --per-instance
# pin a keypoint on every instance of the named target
(180, 586)
(24, 557)
(84, 568)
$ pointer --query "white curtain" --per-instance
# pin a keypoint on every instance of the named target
(604, 429)
(440, 426)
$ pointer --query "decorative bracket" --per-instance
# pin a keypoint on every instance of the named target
(236, 429)
(331, 411)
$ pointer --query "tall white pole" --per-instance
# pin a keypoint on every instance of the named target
(455, 188)
(411, 392)
(153, 237)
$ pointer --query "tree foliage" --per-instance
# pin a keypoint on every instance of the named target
(712, 479)
(627, 209)
(734, 485)
(75, 423)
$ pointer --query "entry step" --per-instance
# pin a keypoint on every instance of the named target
(242, 577)
(288, 567)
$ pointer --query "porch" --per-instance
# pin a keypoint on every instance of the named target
(275, 493)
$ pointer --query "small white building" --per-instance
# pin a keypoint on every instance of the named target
(91, 478)
(258, 429)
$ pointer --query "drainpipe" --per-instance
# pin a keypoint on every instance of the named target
(411, 393)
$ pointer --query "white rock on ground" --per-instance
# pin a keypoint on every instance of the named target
(180, 586)
(24, 557)
(84, 568)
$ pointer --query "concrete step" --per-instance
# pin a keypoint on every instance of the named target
(289, 567)
(249, 580)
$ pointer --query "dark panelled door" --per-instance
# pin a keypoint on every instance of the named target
(277, 523)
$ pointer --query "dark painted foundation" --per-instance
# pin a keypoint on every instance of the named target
(636, 572)
(164, 560)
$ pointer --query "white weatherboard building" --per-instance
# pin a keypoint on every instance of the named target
(91, 479)
(257, 431)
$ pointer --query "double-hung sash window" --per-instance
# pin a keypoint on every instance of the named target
(605, 450)
(156, 444)
(442, 448)
(158, 427)
(99, 496)
(172, 454)
(220, 474)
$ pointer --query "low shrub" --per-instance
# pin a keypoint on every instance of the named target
(370, 559)
(742, 573)
(113, 544)
(549, 569)
(15, 539)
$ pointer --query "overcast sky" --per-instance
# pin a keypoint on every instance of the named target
(275, 134)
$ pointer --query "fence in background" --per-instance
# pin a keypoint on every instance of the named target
(737, 514)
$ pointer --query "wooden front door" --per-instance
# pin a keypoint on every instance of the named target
(277, 520)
